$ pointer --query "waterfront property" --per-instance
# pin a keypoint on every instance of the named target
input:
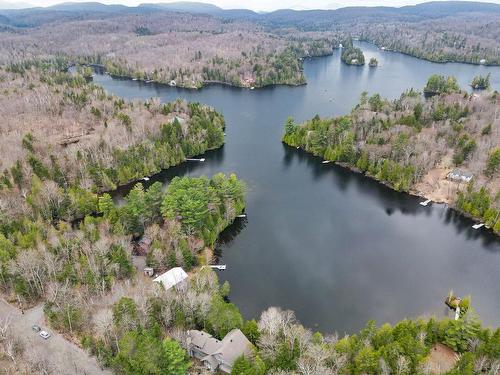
(175, 277)
(216, 354)
(460, 175)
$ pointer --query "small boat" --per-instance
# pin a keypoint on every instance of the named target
(252, 88)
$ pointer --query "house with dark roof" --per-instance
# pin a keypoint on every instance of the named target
(218, 354)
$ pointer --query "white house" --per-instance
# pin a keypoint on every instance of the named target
(173, 277)
(460, 175)
(216, 354)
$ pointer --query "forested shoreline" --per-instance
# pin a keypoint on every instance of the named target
(412, 143)
(65, 141)
(284, 68)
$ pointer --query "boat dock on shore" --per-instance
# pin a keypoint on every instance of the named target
(220, 267)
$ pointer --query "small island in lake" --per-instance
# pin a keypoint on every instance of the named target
(481, 82)
(352, 55)
(373, 62)
(437, 85)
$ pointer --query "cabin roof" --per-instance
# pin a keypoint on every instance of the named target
(172, 277)
(203, 340)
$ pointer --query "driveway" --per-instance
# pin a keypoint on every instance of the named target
(63, 356)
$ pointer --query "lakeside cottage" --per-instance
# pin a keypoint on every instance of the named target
(460, 175)
(175, 277)
(216, 354)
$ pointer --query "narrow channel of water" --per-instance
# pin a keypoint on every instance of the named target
(335, 247)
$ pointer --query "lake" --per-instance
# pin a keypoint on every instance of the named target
(332, 245)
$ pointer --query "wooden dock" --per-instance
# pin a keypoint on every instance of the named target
(220, 267)
(194, 159)
(477, 226)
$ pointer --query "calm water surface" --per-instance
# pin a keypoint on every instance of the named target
(332, 245)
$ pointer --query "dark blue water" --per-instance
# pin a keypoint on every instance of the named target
(335, 247)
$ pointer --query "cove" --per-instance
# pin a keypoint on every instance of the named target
(334, 246)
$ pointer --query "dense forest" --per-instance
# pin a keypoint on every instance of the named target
(77, 272)
(462, 38)
(64, 139)
(413, 142)
(160, 47)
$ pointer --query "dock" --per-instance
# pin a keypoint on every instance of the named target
(220, 267)
(200, 160)
(326, 161)
(145, 178)
(477, 226)
(242, 216)
(425, 203)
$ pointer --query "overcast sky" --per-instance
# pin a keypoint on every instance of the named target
(257, 5)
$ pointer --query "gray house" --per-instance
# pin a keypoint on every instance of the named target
(460, 175)
(216, 354)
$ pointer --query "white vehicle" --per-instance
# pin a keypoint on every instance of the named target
(44, 335)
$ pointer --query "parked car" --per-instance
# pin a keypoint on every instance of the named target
(36, 328)
(44, 335)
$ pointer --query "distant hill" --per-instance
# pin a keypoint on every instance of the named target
(9, 5)
(185, 6)
(304, 19)
(449, 8)
(88, 7)
(201, 8)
